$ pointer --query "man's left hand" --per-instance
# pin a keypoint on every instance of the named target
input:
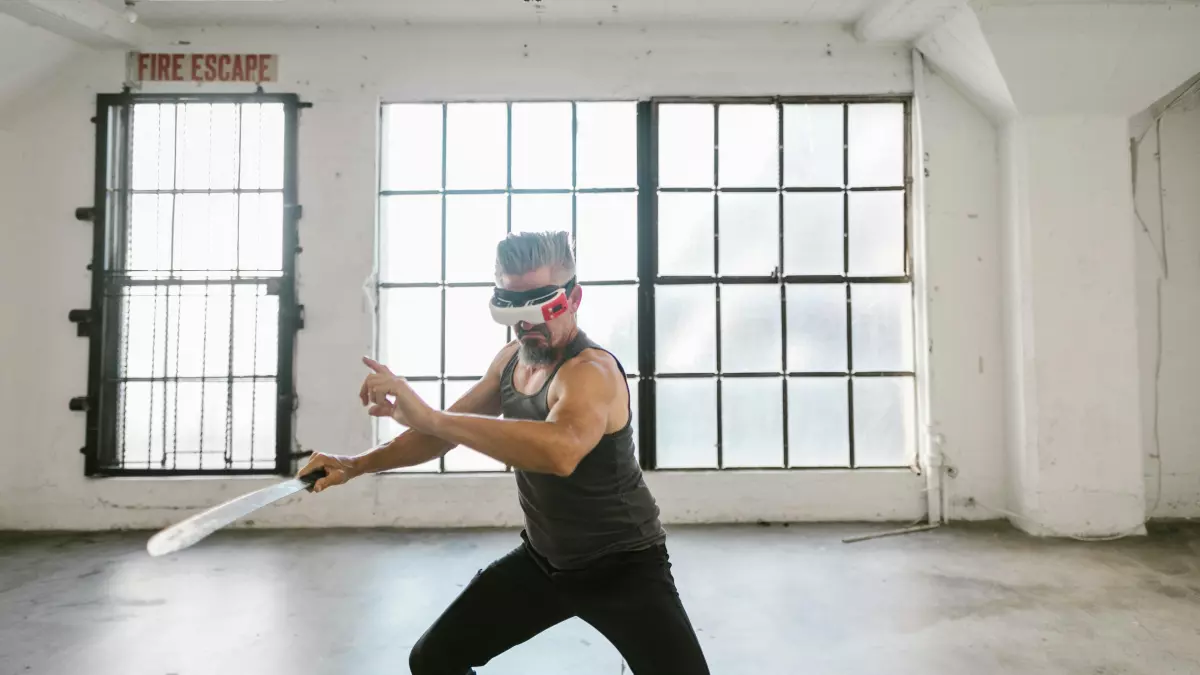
(390, 396)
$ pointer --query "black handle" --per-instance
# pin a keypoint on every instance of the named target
(314, 476)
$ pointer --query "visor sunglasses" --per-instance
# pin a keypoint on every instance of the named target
(535, 306)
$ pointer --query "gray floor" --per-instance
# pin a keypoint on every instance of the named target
(972, 601)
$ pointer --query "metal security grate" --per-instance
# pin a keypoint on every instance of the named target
(194, 313)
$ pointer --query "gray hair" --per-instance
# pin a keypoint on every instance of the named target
(521, 253)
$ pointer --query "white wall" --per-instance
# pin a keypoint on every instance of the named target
(1075, 435)
(1177, 389)
(345, 74)
(28, 53)
(962, 214)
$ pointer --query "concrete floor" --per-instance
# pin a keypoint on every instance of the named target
(976, 600)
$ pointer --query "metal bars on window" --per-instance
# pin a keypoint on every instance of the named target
(457, 177)
(194, 313)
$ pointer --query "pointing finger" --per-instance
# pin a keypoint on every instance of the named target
(376, 366)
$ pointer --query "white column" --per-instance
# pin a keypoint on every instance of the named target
(1074, 433)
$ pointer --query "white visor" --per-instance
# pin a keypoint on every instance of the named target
(534, 307)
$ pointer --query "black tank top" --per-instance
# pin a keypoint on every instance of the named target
(603, 507)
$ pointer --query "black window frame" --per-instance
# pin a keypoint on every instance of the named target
(382, 286)
(649, 277)
(647, 264)
(100, 324)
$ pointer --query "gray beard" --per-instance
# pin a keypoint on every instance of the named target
(536, 355)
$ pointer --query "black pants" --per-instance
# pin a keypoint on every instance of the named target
(630, 598)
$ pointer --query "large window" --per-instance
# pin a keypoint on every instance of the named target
(783, 302)
(455, 179)
(751, 254)
(193, 309)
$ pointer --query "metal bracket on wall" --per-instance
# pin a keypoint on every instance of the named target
(80, 404)
(82, 318)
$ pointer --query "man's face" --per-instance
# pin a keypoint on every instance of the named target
(540, 342)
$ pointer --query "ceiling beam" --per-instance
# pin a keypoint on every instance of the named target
(904, 20)
(88, 22)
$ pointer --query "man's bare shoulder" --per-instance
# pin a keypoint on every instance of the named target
(590, 364)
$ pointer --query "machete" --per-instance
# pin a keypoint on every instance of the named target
(187, 532)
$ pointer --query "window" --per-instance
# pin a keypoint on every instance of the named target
(455, 179)
(783, 300)
(763, 243)
(193, 313)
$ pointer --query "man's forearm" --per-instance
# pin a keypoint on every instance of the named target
(408, 449)
(525, 444)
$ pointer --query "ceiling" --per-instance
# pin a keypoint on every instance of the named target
(332, 12)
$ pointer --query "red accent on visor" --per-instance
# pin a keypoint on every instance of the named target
(555, 308)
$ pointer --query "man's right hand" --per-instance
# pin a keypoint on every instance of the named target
(338, 470)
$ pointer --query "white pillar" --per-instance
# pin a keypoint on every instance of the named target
(1074, 425)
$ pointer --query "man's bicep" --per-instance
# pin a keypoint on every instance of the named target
(584, 398)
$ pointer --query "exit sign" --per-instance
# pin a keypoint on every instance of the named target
(204, 68)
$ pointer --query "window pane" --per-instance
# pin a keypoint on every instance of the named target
(148, 244)
(685, 145)
(606, 155)
(749, 146)
(813, 146)
(751, 340)
(816, 327)
(410, 330)
(474, 225)
(541, 145)
(608, 315)
(153, 146)
(463, 458)
(253, 425)
(818, 422)
(260, 232)
(472, 337)
(752, 422)
(412, 147)
(749, 227)
(200, 318)
(686, 423)
(814, 233)
(388, 428)
(255, 331)
(206, 234)
(476, 146)
(881, 326)
(207, 146)
(606, 242)
(145, 312)
(541, 213)
(876, 145)
(877, 233)
(410, 238)
(685, 336)
(884, 424)
(262, 146)
(685, 234)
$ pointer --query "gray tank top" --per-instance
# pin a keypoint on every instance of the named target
(603, 507)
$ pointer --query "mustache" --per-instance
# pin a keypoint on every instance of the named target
(536, 330)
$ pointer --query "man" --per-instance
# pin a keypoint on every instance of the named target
(592, 546)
